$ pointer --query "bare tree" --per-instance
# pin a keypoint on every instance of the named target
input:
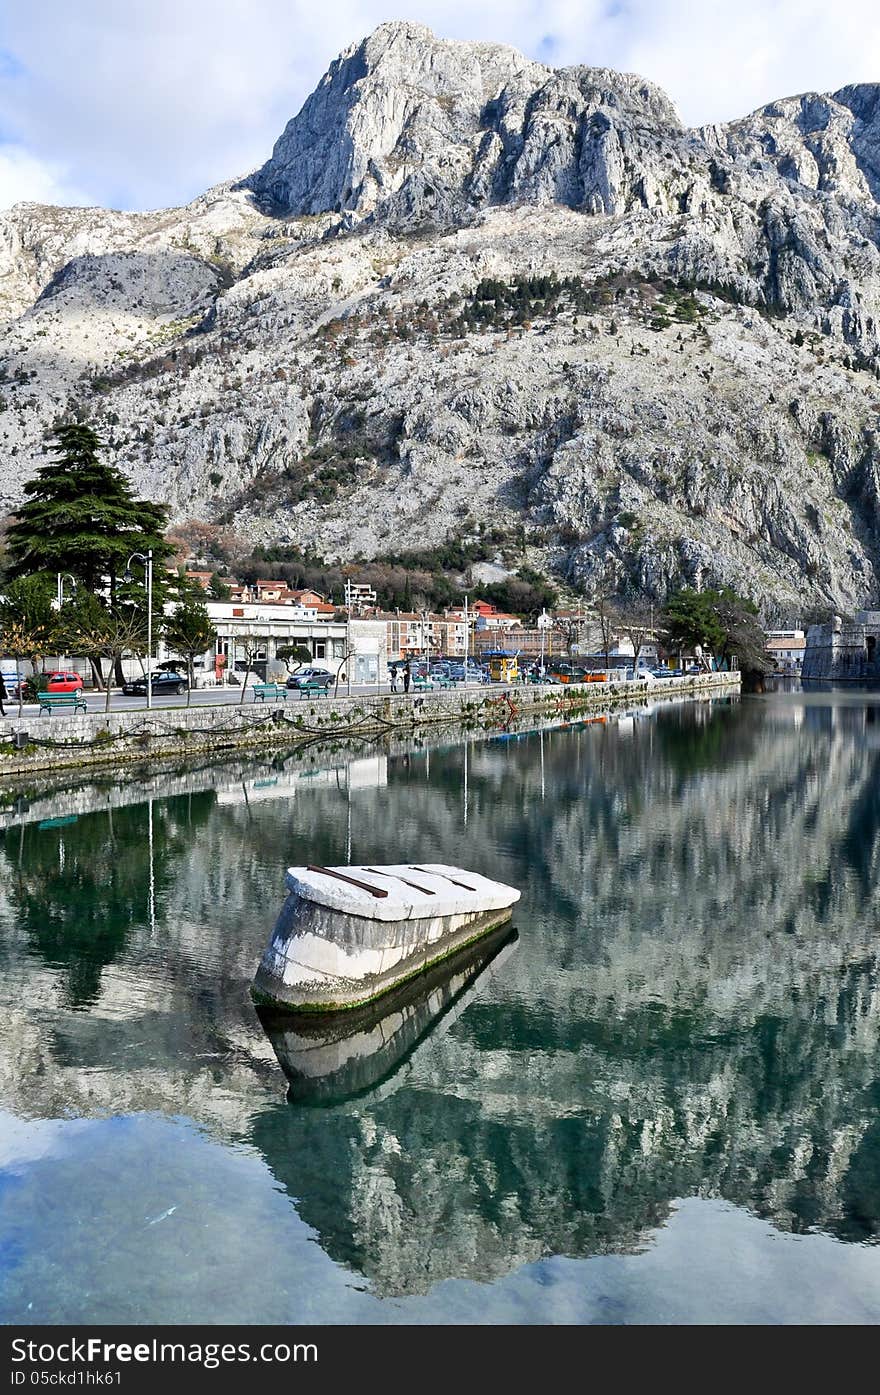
(251, 643)
(110, 634)
(606, 614)
(634, 620)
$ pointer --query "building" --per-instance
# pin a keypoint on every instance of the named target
(359, 597)
(843, 651)
(250, 634)
(414, 634)
(787, 649)
(202, 579)
(622, 651)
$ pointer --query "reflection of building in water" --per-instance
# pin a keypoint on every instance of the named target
(368, 772)
(692, 1008)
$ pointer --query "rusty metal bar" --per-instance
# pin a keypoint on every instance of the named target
(428, 873)
(396, 875)
(352, 881)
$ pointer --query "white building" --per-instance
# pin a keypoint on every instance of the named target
(787, 648)
(250, 634)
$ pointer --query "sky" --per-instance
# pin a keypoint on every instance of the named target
(146, 103)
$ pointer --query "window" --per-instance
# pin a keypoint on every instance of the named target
(320, 647)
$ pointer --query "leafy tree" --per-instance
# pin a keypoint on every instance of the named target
(722, 622)
(744, 637)
(296, 654)
(189, 632)
(80, 516)
(691, 618)
(28, 623)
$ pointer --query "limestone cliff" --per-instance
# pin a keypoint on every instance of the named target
(470, 289)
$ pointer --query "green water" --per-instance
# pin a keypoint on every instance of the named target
(657, 1103)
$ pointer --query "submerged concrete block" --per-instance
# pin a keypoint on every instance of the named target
(346, 935)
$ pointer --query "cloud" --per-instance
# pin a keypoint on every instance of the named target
(26, 179)
(146, 105)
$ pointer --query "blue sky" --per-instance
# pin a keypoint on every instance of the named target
(145, 103)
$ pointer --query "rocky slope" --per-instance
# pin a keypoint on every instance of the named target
(358, 348)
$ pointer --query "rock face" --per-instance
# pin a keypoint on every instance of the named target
(423, 125)
(356, 348)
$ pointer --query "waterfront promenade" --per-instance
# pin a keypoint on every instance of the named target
(65, 740)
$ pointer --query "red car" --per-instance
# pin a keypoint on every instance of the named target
(63, 682)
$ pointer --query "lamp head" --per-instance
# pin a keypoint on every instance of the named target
(127, 577)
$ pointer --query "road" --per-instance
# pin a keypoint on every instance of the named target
(201, 697)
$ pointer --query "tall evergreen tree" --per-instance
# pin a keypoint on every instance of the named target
(80, 516)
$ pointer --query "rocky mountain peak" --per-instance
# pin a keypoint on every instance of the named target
(406, 124)
(470, 295)
(829, 142)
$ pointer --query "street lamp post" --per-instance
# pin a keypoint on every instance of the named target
(60, 587)
(467, 642)
(147, 560)
(59, 599)
(544, 623)
(348, 604)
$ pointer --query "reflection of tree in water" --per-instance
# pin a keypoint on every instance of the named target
(859, 845)
(710, 741)
(79, 889)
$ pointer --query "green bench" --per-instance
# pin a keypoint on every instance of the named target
(270, 692)
(64, 701)
(312, 685)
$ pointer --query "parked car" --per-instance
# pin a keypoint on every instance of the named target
(64, 681)
(305, 676)
(160, 683)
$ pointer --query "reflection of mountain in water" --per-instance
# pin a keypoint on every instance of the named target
(692, 1008)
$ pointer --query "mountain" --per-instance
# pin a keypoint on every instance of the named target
(469, 293)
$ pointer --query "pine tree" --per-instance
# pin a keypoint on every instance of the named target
(80, 516)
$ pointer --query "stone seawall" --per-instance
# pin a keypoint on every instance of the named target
(115, 738)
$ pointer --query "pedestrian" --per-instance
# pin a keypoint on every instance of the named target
(2, 695)
(406, 678)
(394, 680)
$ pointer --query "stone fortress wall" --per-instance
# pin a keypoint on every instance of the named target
(842, 652)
